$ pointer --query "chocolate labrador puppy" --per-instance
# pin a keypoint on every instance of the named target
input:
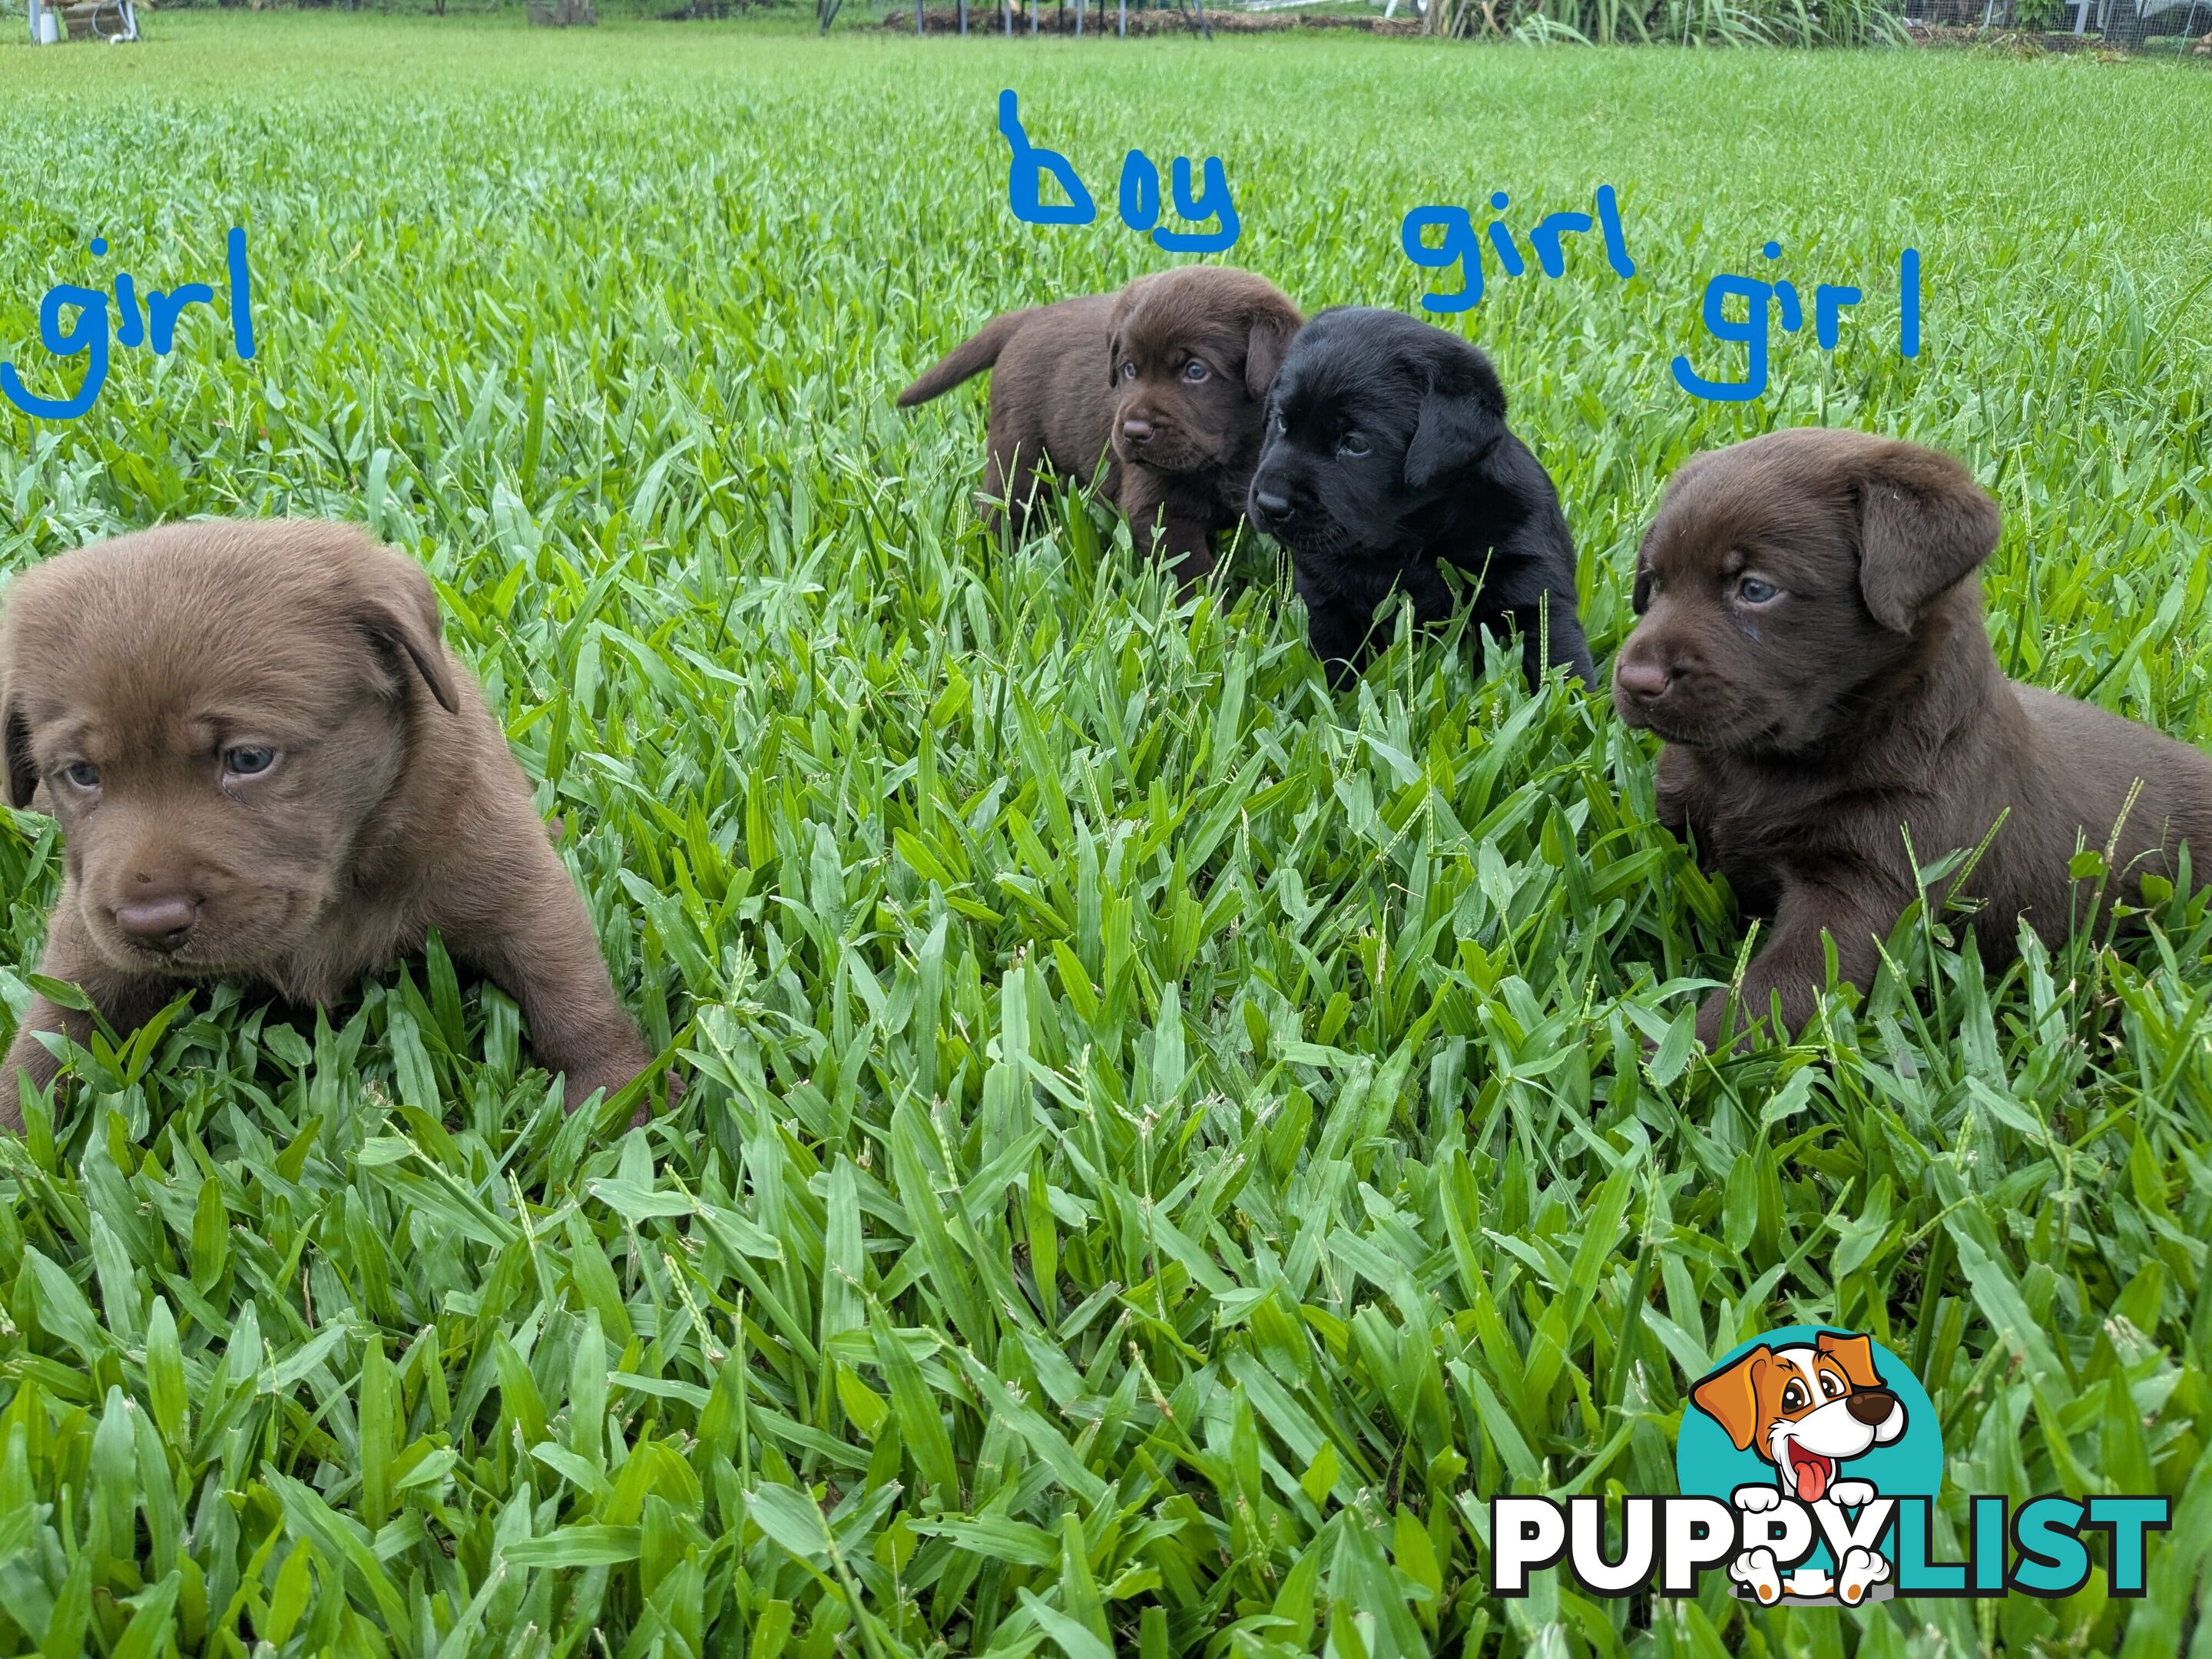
(1812, 649)
(1386, 458)
(1162, 382)
(267, 767)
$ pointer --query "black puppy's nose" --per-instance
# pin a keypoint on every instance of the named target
(1137, 432)
(1274, 505)
(159, 924)
(1873, 1406)
(1641, 679)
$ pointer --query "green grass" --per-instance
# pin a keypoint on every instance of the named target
(1162, 1140)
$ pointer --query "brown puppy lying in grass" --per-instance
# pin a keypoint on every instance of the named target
(1813, 651)
(267, 767)
(1164, 381)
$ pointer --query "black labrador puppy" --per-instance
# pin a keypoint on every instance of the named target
(1386, 456)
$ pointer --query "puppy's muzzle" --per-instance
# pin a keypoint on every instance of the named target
(161, 924)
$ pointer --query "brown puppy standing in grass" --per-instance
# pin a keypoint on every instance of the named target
(1812, 649)
(267, 767)
(1164, 381)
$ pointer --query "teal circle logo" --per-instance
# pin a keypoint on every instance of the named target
(1829, 1419)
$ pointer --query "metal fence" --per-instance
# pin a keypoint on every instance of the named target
(2170, 24)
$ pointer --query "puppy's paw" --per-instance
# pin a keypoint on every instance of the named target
(1862, 1570)
(584, 1081)
(1754, 1500)
(1756, 1572)
(1850, 1494)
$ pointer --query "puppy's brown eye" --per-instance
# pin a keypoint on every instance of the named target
(248, 763)
(84, 774)
(1195, 370)
(1793, 1396)
(1753, 591)
(1351, 444)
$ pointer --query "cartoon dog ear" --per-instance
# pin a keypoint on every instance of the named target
(1924, 524)
(399, 614)
(1271, 332)
(1730, 1396)
(1462, 416)
(1854, 1353)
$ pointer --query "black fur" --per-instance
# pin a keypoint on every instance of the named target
(1441, 480)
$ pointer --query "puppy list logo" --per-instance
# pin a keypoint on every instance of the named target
(1809, 1461)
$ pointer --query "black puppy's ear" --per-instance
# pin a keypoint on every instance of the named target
(1924, 524)
(399, 613)
(1271, 332)
(1462, 416)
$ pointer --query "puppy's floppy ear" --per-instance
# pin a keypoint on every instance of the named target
(1640, 594)
(1730, 1396)
(1854, 1353)
(1924, 524)
(1272, 328)
(398, 611)
(20, 777)
(1116, 325)
(1462, 416)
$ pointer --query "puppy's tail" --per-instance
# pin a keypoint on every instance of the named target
(962, 361)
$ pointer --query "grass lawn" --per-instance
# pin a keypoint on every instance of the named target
(1165, 1144)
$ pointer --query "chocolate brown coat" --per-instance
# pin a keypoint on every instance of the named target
(1156, 392)
(1813, 651)
(267, 767)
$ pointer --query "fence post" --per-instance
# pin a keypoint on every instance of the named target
(963, 16)
(1125, 19)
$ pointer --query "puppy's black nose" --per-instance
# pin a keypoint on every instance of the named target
(1274, 505)
(1640, 679)
(159, 924)
(1137, 432)
(1873, 1406)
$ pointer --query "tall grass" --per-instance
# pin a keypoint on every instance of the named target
(1164, 1141)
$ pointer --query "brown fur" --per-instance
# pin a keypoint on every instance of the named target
(1101, 380)
(393, 804)
(1806, 732)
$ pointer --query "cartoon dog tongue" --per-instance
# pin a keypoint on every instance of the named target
(1811, 1471)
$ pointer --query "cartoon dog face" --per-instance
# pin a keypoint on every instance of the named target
(1805, 1407)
